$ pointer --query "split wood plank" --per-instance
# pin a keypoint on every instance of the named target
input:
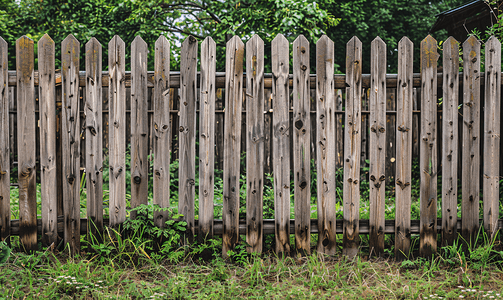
(207, 138)
(492, 130)
(339, 131)
(470, 181)
(71, 141)
(254, 143)
(325, 137)
(117, 130)
(377, 145)
(232, 141)
(48, 173)
(428, 149)
(404, 149)
(4, 144)
(301, 145)
(139, 124)
(390, 137)
(450, 141)
(281, 142)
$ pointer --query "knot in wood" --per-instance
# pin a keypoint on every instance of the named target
(137, 179)
(372, 177)
(181, 129)
(303, 68)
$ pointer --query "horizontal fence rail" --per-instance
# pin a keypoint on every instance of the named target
(319, 139)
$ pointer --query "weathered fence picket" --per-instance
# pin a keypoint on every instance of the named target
(5, 211)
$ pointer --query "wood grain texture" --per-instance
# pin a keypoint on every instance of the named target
(492, 131)
(187, 133)
(207, 138)
(117, 130)
(428, 148)
(377, 145)
(4, 144)
(450, 141)
(161, 130)
(339, 130)
(470, 181)
(139, 124)
(48, 172)
(254, 143)
(70, 51)
(281, 142)
(232, 141)
(404, 149)
(301, 146)
(325, 154)
(351, 193)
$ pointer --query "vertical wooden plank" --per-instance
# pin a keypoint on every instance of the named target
(254, 143)
(470, 181)
(377, 145)
(428, 148)
(70, 50)
(390, 136)
(339, 131)
(281, 143)
(139, 124)
(352, 145)
(4, 144)
(59, 149)
(48, 175)
(187, 133)
(232, 141)
(450, 141)
(267, 131)
(26, 142)
(207, 138)
(325, 136)
(492, 106)
(117, 130)
(403, 148)
(161, 130)
(301, 145)
(219, 130)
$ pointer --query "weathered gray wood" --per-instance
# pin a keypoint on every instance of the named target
(281, 142)
(187, 133)
(428, 148)
(403, 149)
(390, 137)
(377, 147)
(94, 140)
(450, 141)
(492, 130)
(301, 145)
(139, 124)
(70, 50)
(232, 140)
(4, 144)
(254, 143)
(207, 138)
(325, 154)
(117, 130)
(339, 131)
(161, 130)
(351, 193)
(48, 175)
(470, 181)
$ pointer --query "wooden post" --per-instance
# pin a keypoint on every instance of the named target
(428, 148)
(254, 143)
(403, 149)
(339, 131)
(377, 145)
(4, 144)
(207, 138)
(70, 51)
(232, 142)
(281, 143)
(325, 137)
(352, 145)
(161, 130)
(139, 124)
(187, 133)
(48, 174)
(117, 130)
(450, 141)
(470, 181)
(301, 145)
(492, 136)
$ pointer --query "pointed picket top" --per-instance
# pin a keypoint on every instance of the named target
(189, 40)
(162, 41)
(301, 39)
(471, 41)
(280, 38)
(429, 54)
(93, 42)
(3, 43)
(492, 43)
(235, 39)
(378, 40)
(138, 42)
(255, 40)
(23, 38)
(451, 40)
(70, 39)
(24, 42)
(208, 41)
(324, 40)
(117, 41)
(354, 41)
(405, 41)
(46, 39)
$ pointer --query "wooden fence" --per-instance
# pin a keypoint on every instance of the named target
(281, 120)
